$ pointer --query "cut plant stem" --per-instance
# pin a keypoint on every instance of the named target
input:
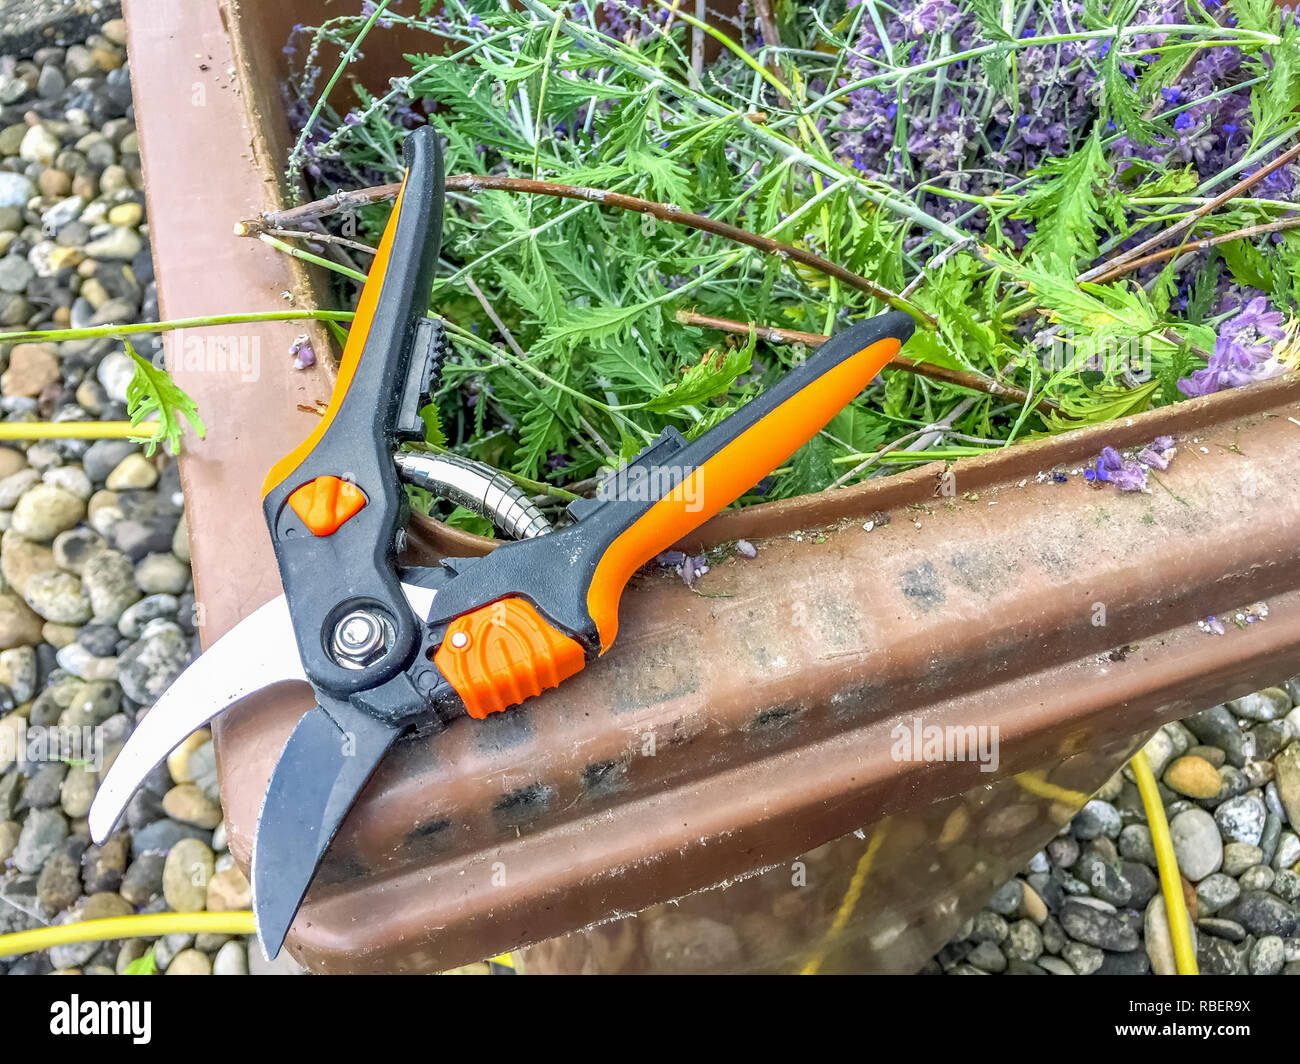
(321, 238)
(315, 260)
(1203, 244)
(962, 378)
(663, 211)
(113, 331)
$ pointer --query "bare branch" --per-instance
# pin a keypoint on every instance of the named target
(962, 378)
(771, 35)
(667, 212)
(1109, 269)
(1203, 244)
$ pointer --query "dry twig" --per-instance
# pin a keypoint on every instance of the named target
(472, 183)
(962, 378)
(1111, 268)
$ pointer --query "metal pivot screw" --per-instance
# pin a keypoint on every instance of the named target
(360, 639)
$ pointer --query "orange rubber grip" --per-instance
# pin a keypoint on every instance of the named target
(503, 653)
(726, 475)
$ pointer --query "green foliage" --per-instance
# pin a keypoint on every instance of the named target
(1105, 403)
(1065, 205)
(152, 391)
(565, 312)
(143, 965)
(711, 377)
(810, 470)
(469, 521)
(998, 65)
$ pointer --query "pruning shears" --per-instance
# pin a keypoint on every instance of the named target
(386, 648)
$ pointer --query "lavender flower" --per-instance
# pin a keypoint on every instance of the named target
(1243, 352)
(972, 147)
(368, 8)
(302, 352)
(1213, 625)
(1114, 468)
(689, 567)
(1158, 454)
(693, 568)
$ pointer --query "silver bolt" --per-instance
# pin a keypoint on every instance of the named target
(360, 638)
(459, 640)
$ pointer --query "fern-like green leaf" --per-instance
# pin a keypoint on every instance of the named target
(152, 391)
(1065, 205)
(1105, 403)
(709, 378)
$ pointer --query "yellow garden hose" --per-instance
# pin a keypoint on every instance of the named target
(1038, 784)
(73, 430)
(1170, 882)
(850, 900)
(152, 925)
(145, 925)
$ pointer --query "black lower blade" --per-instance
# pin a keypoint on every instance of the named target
(322, 768)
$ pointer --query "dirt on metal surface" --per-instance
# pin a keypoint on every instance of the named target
(750, 723)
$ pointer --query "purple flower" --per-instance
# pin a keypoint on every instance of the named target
(1243, 352)
(930, 15)
(746, 549)
(368, 8)
(1153, 459)
(1131, 478)
(1114, 468)
(689, 567)
(1158, 453)
(693, 568)
(301, 350)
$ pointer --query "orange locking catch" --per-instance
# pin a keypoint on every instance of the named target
(326, 502)
(503, 653)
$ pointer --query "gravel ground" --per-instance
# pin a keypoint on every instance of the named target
(96, 606)
(1090, 903)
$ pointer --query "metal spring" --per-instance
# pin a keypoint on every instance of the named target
(477, 487)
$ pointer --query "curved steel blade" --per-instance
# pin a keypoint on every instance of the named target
(322, 768)
(258, 652)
